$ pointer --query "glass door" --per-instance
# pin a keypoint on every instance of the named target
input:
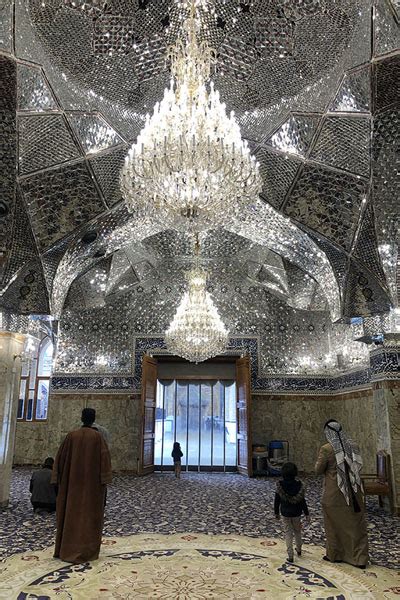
(201, 416)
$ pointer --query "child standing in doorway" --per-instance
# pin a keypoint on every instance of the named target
(177, 455)
(290, 502)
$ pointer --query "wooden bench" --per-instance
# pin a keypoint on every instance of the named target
(379, 483)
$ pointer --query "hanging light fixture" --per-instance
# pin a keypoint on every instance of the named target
(196, 331)
(189, 168)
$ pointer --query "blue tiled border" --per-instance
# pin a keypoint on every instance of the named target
(382, 361)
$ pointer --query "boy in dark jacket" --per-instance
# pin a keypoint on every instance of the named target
(290, 502)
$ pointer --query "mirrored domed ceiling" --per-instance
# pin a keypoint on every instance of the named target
(317, 103)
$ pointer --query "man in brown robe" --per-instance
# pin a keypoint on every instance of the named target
(81, 470)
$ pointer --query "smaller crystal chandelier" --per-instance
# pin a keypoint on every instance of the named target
(197, 331)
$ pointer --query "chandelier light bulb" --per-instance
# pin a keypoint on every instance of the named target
(189, 169)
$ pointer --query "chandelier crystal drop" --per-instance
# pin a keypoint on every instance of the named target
(189, 169)
(197, 331)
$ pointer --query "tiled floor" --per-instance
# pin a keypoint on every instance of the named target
(202, 503)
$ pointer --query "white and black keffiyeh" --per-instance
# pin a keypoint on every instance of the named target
(348, 460)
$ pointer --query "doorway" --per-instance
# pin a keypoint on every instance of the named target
(203, 412)
(201, 416)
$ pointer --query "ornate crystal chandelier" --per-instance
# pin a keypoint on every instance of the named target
(189, 168)
(196, 331)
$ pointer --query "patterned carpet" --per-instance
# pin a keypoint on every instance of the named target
(200, 503)
(192, 567)
(204, 536)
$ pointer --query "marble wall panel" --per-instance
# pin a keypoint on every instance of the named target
(386, 395)
(296, 418)
(63, 416)
(119, 413)
(31, 443)
(300, 420)
(394, 420)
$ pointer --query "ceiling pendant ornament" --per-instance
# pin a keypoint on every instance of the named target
(189, 169)
(196, 332)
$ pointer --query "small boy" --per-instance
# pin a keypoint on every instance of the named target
(177, 456)
(290, 502)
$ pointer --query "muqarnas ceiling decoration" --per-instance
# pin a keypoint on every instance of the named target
(319, 117)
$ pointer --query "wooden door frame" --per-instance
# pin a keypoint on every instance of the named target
(245, 470)
(145, 470)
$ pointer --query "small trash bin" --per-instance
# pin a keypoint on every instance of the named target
(278, 453)
(260, 459)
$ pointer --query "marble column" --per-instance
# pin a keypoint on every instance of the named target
(11, 347)
(385, 376)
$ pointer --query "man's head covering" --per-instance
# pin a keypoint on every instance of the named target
(88, 416)
(348, 460)
(48, 463)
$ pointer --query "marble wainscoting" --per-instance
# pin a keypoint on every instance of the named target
(119, 413)
(387, 410)
(300, 420)
(294, 417)
(31, 443)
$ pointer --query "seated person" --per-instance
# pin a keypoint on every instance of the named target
(43, 496)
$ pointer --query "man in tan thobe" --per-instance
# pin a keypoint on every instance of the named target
(340, 463)
(81, 470)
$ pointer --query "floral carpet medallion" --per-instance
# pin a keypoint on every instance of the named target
(192, 567)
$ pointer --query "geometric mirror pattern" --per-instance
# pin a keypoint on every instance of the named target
(321, 119)
(28, 294)
(23, 246)
(338, 259)
(6, 21)
(295, 135)
(8, 149)
(387, 29)
(54, 202)
(344, 142)
(278, 173)
(363, 294)
(94, 132)
(387, 82)
(327, 202)
(44, 140)
(366, 247)
(107, 168)
(34, 93)
(354, 94)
